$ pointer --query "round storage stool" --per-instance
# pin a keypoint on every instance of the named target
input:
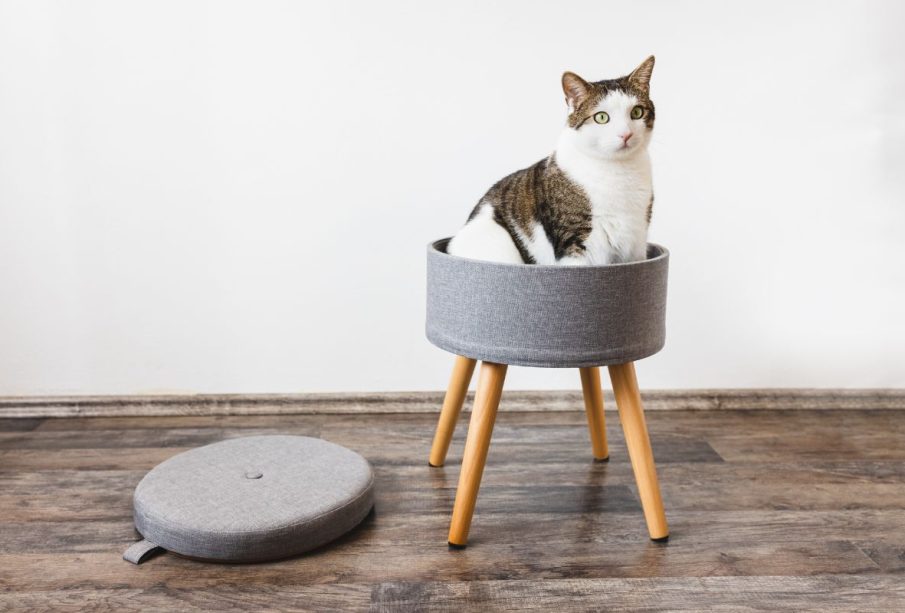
(580, 317)
(251, 499)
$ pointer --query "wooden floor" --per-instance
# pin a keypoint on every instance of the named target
(770, 510)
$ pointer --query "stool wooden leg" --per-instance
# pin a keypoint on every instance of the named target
(452, 406)
(480, 428)
(631, 414)
(593, 406)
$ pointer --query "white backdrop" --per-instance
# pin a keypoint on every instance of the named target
(236, 197)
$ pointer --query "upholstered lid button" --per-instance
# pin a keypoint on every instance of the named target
(254, 474)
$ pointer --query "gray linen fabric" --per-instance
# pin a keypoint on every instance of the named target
(138, 552)
(254, 498)
(550, 316)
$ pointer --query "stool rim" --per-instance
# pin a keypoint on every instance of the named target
(547, 316)
(655, 252)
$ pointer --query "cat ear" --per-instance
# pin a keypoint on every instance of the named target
(640, 77)
(575, 88)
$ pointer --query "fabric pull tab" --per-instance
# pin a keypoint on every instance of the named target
(140, 551)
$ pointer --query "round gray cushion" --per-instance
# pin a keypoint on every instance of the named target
(253, 499)
(553, 316)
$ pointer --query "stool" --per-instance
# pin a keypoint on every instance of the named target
(580, 317)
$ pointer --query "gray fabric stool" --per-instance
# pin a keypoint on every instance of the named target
(251, 499)
(549, 316)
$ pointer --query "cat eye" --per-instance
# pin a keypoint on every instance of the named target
(601, 117)
(638, 112)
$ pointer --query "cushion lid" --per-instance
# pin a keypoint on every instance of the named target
(253, 498)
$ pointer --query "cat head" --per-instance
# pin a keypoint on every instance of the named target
(611, 119)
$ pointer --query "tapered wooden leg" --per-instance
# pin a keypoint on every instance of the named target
(593, 406)
(480, 428)
(631, 414)
(452, 406)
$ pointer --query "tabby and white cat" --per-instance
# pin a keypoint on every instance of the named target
(590, 202)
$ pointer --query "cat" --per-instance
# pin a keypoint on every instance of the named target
(590, 202)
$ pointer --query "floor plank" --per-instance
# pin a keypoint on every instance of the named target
(769, 510)
(752, 594)
(874, 593)
(19, 425)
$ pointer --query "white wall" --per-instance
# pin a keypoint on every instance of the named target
(235, 197)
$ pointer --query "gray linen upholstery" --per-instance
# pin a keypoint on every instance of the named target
(550, 316)
(254, 498)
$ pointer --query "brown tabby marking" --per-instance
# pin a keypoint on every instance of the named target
(543, 193)
(586, 96)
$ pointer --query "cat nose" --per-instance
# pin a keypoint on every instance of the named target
(625, 136)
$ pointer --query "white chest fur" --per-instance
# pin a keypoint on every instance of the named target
(620, 193)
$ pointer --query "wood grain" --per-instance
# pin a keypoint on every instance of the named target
(631, 415)
(463, 368)
(770, 510)
(767, 594)
(19, 425)
(593, 406)
(480, 430)
(753, 594)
